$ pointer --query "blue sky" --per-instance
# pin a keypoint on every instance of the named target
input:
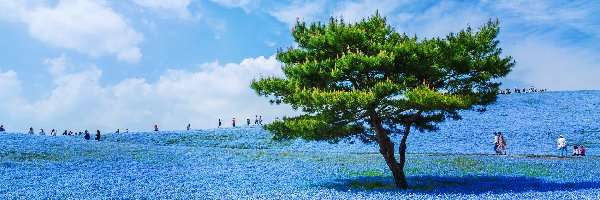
(96, 64)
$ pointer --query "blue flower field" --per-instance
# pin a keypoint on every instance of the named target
(243, 163)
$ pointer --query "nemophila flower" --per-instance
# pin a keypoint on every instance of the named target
(454, 163)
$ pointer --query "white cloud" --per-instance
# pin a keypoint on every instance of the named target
(57, 66)
(11, 10)
(247, 5)
(302, 10)
(91, 27)
(171, 7)
(10, 87)
(544, 64)
(79, 101)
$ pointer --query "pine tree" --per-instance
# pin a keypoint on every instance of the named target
(366, 80)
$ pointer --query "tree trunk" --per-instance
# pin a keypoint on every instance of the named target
(402, 147)
(386, 148)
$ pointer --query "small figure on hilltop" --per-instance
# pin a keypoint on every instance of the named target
(65, 133)
(581, 150)
(117, 131)
(2, 128)
(233, 122)
(259, 120)
(53, 132)
(189, 126)
(97, 135)
(126, 130)
(219, 124)
(86, 135)
(501, 144)
(42, 132)
(562, 145)
(155, 127)
(255, 119)
(30, 130)
(248, 122)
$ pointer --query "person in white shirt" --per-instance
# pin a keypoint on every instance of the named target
(562, 145)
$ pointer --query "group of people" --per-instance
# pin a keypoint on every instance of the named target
(119, 131)
(53, 132)
(562, 147)
(524, 90)
(257, 121)
(500, 146)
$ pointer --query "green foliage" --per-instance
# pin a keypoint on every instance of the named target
(349, 78)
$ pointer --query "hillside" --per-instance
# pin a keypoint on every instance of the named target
(233, 163)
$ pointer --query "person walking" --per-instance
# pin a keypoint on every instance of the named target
(233, 122)
(155, 127)
(248, 122)
(562, 145)
(219, 124)
(496, 143)
(501, 144)
(2, 128)
(188, 127)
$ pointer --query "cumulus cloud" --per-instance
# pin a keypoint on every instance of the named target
(79, 101)
(303, 10)
(553, 66)
(173, 7)
(247, 5)
(90, 27)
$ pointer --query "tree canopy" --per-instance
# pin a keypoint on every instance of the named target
(366, 80)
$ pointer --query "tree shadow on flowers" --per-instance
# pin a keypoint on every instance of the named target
(458, 185)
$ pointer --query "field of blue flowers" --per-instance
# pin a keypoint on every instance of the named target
(231, 163)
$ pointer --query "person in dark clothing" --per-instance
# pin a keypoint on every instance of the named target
(189, 126)
(247, 122)
(155, 127)
(117, 131)
(87, 135)
(2, 128)
(42, 132)
(219, 123)
(233, 122)
(65, 133)
(97, 135)
(30, 130)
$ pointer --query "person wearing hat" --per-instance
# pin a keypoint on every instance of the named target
(562, 145)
